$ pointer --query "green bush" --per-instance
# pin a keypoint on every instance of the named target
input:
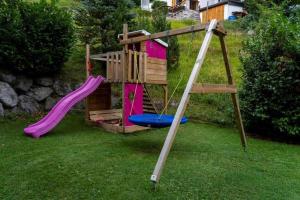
(270, 95)
(36, 38)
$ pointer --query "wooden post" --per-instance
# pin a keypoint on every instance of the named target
(87, 66)
(130, 65)
(135, 67)
(182, 105)
(125, 64)
(234, 97)
(87, 60)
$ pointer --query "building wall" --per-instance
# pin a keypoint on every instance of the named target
(230, 9)
(221, 12)
(213, 13)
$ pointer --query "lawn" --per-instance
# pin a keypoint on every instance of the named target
(78, 161)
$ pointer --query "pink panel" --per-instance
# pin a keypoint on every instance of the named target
(156, 50)
(138, 102)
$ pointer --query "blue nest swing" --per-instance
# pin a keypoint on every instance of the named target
(154, 120)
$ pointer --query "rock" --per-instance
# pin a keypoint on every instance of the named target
(23, 83)
(28, 104)
(45, 81)
(15, 110)
(61, 88)
(50, 102)
(40, 93)
(9, 78)
(1, 110)
(8, 97)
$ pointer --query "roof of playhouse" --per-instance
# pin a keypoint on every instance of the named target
(143, 32)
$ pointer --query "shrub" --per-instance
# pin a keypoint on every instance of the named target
(270, 95)
(36, 38)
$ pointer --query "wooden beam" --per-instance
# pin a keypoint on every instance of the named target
(168, 33)
(219, 30)
(129, 74)
(213, 88)
(183, 103)
(234, 96)
(125, 64)
(87, 62)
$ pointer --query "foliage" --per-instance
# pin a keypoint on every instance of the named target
(270, 96)
(255, 8)
(100, 21)
(36, 38)
(156, 21)
(142, 20)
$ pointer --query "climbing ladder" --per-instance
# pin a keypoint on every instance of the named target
(148, 105)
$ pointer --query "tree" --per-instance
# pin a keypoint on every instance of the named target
(160, 23)
(255, 7)
(100, 21)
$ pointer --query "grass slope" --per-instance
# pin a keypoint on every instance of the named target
(77, 161)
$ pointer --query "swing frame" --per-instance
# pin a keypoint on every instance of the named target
(212, 28)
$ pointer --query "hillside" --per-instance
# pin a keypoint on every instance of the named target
(213, 108)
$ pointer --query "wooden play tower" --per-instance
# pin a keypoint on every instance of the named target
(143, 64)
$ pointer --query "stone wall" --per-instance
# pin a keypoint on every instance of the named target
(20, 94)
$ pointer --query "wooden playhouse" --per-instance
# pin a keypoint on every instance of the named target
(143, 64)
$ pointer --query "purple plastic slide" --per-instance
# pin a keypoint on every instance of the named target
(62, 107)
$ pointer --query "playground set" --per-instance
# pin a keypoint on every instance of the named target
(142, 62)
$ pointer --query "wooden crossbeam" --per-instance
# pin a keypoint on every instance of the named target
(213, 88)
(189, 29)
(219, 30)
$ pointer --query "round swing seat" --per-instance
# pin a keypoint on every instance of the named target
(154, 120)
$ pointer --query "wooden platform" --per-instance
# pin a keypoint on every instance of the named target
(111, 121)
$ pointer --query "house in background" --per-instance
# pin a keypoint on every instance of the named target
(208, 9)
(219, 9)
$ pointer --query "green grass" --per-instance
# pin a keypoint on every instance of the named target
(77, 161)
(61, 3)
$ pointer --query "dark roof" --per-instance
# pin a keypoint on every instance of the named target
(230, 2)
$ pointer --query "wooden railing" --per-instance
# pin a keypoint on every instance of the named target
(137, 64)
(114, 63)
